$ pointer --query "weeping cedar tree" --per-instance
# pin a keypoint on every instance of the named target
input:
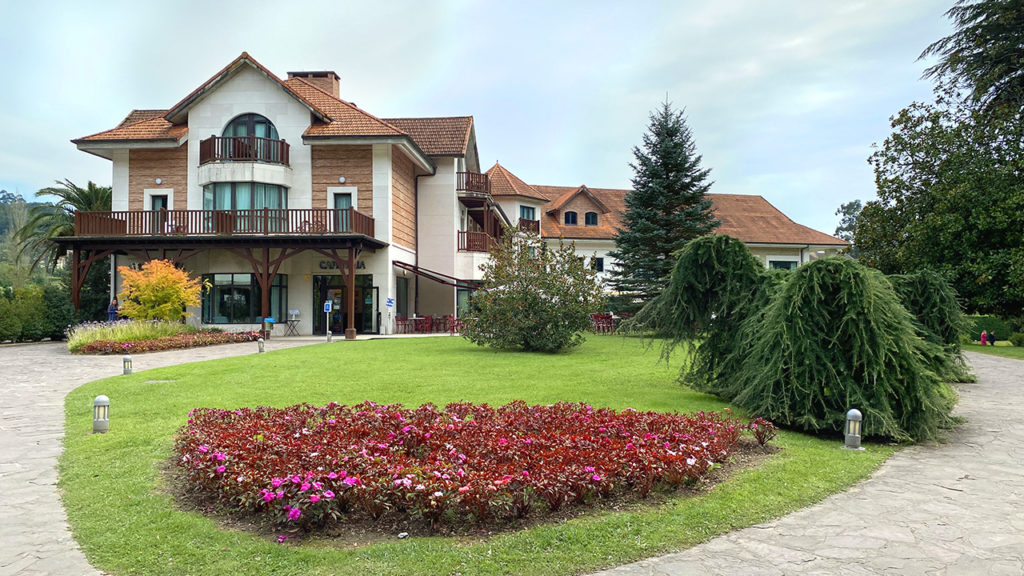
(666, 208)
(934, 303)
(534, 297)
(835, 336)
(716, 284)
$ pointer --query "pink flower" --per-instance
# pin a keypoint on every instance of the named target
(525, 473)
(352, 481)
(276, 482)
(588, 469)
(317, 485)
(204, 448)
(280, 494)
(268, 496)
(314, 498)
(332, 475)
(221, 469)
(595, 478)
(464, 489)
(294, 514)
(305, 486)
(328, 494)
(296, 479)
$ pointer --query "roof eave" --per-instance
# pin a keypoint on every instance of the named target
(418, 156)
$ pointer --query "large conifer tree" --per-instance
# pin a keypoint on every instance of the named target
(667, 208)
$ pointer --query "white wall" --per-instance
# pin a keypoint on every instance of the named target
(592, 249)
(250, 91)
(119, 182)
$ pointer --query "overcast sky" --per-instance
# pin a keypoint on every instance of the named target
(784, 97)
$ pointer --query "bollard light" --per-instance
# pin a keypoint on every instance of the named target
(329, 335)
(100, 415)
(127, 362)
(853, 429)
(261, 344)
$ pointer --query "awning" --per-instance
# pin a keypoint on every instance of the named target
(439, 277)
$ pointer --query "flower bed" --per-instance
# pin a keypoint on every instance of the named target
(311, 465)
(178, 341)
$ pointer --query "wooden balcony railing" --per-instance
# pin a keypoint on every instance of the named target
(473, 182)
(529, 225)
(243, 149)
(264, 221)
(475, 242)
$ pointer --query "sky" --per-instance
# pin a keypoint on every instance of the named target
(784, 98)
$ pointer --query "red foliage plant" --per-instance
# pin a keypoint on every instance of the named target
(309, 465)
(178, 341)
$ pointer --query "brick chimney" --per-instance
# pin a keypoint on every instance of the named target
(325, 80)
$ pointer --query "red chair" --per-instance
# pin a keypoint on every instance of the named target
(403, 325)
(425, 324)
(602, 323)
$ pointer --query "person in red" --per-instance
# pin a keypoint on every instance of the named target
(984, 338)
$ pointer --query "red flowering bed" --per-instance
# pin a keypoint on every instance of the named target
(310, 465)
(178, 341)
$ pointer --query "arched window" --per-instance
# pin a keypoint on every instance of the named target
(591, 218)
(570, 218)
(251, 125)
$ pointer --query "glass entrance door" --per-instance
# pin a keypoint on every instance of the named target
(158, 225)
(333, 288)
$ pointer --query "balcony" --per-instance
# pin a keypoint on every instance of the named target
(473, 182)
(261, 221)
(243, 149)
(475, 242)
(529, 225)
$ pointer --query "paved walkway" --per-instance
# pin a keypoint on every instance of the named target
(34, 378)
(955, 508)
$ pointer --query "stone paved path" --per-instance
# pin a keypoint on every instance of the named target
(954, 508)
(34, 378)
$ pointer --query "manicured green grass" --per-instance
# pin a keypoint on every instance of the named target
(127, 525)
(997, 350)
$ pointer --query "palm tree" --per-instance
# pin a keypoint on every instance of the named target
(47, 222)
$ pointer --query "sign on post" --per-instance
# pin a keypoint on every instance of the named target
(389, 303)
(327, 307)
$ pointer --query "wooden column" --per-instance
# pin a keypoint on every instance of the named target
(76, 279)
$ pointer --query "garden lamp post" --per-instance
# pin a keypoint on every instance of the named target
(853, 430)
(100, 415)
(126, 362)
(261, 345)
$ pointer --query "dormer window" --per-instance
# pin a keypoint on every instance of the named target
(570, 218)
(591, 218)
(251, 125)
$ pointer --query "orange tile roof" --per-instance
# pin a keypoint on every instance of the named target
(607, 223)
(437, 136)
(751, 219)
(505, 183)
(565, 198)
(341, 118)
(142, 125)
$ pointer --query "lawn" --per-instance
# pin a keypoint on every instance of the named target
(1014, 352)
(126, 524)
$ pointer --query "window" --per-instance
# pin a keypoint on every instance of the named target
(782, 264)
(570, 218)
(591, 218)
(251, 125)
(237, 299)
(597, 264)
(244, 196)
(527, 213)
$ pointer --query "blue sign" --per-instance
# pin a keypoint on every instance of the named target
(389, 303)
(327, 306)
